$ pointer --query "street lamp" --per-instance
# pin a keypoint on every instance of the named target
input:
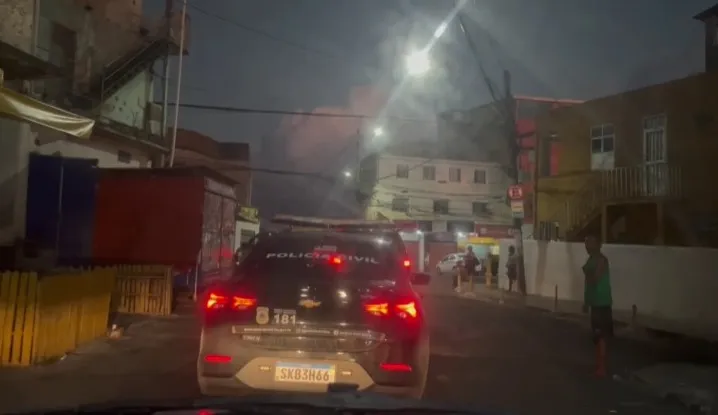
(418, 63)
(347, 174)
(440, 30)
(378, 131)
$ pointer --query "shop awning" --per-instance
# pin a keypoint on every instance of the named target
(22, 107)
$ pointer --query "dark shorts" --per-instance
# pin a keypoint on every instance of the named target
(601, 322)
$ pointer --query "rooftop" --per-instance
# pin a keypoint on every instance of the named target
(207, 146)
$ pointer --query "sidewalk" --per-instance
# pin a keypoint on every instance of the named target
(152, 350)
(694, 386)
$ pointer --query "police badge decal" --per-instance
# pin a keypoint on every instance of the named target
(262, 315)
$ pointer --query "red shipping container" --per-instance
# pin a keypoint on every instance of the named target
(155, 216)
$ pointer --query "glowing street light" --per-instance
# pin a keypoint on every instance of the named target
(418, 63)
(440, 30)
(347, 174)
(378, 131)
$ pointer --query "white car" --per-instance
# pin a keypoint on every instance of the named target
(451, 262)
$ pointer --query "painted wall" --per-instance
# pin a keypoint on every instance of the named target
(653, 278)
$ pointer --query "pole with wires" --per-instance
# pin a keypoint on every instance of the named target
(179, 84)
(507, 110)
(166, 74)
(514, 169)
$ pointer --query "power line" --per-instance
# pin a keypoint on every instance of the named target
(270, 36)
(232, 167)
(245, 110)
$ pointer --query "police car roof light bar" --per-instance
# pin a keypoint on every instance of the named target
(324, 223)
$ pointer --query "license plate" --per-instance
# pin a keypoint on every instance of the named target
(304, 373)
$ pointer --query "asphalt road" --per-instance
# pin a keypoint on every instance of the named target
(497, 357)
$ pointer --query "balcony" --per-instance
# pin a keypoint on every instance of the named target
(623, 185)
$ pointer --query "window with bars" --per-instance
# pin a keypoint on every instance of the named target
(429, 173)
(400, 204)
(454, 174)
(479, 208)
(402, 171)
(654, 138)
(441, 206)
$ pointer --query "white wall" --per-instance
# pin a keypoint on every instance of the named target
(128, 104)
(673, 288)
(461, 195)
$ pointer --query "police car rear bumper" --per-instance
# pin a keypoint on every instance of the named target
(228, 365)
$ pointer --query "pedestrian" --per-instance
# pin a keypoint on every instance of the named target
(512, 267)
(598, 299)
(470, 262)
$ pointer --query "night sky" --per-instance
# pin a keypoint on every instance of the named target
(346, 56)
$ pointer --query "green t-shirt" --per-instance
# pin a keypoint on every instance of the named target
(599, 293)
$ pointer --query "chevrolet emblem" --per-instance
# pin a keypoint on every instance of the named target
(306, 303)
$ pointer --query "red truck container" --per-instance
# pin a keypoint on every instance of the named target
(183, 217)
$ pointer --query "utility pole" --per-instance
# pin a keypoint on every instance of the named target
(166, 74)
(508, 114)
(179, 82)
(514, 169)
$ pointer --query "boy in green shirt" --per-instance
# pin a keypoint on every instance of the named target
(597, 297)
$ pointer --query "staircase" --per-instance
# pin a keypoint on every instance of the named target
(622, 185)
(579, 209)
(124, 69)
(128, 65)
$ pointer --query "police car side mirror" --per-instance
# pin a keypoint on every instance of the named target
(420, 278)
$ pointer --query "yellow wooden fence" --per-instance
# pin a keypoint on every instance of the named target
(44, 317)
(144, 289)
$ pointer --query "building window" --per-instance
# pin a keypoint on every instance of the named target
(480, 176)
(654, 139)
(429, 173)
(441, 206)
(602, 142)
(402, 171)
(479, 208)
(454, 174)
(400, 204)
(124, 157)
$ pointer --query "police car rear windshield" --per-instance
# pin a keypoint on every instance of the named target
(310, 255)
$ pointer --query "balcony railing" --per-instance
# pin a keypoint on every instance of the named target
(623, 184)
(652, 180)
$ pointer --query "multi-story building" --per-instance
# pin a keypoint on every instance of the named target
(231, 160)
(634, 166)
(83, 71)
(441, 191)
(483, 127)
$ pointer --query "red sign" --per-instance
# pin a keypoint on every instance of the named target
(406, 225)
(495, 231)
(516, 192)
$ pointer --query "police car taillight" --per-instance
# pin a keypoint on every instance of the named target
(219, 301)
(405, 308)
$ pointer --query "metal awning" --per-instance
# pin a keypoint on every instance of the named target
(18, 64)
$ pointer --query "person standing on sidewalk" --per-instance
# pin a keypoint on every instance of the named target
(512, 267)
(598, 299)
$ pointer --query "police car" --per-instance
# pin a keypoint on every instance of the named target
(306, 310)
